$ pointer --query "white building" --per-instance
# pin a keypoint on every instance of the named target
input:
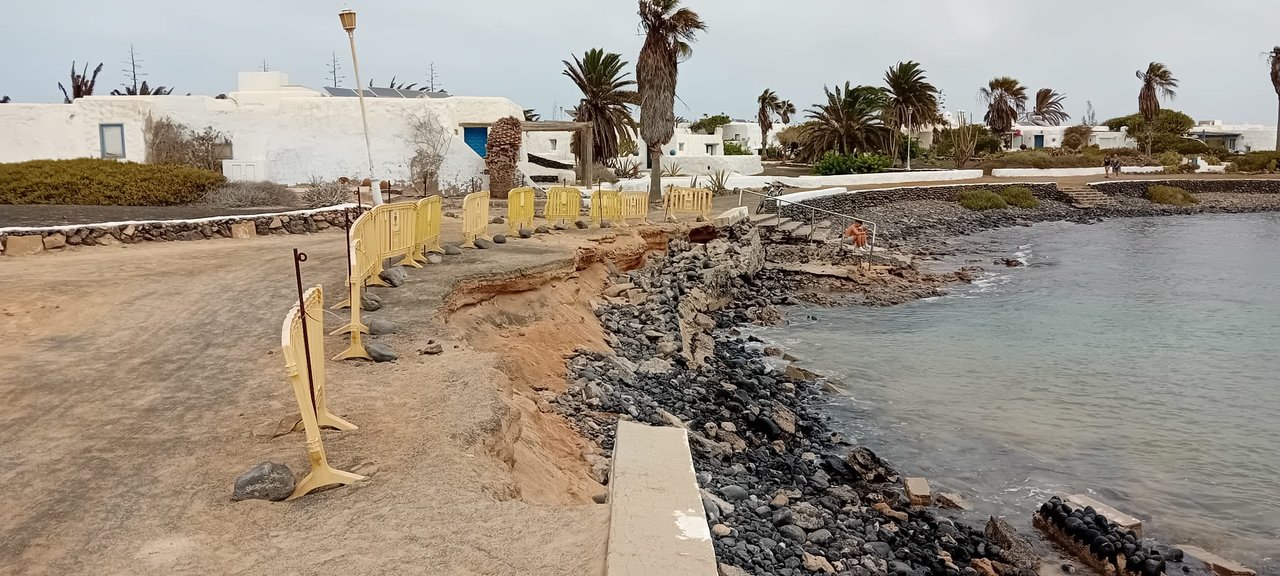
(278, 132)
(695, 153)
(1034, 137)
(1235, 137)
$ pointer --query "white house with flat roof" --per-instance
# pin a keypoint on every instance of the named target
(1235, 137)
(1034, 137)
(278, 131)
(694, 152)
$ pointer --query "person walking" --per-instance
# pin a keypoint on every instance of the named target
(1106, 167)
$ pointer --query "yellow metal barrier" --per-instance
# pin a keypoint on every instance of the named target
(635, 205)
(398, 222)
(606, 206)
(304, 364)
(562, 204)
(519, 210)
(687, 201)
(428, 227)
(361, 266)
(475, 218)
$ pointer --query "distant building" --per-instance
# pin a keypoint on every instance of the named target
(1235, 137)
(278, 131)
(694, 152)
(1034, 137)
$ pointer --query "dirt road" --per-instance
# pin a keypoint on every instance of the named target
(136, 383)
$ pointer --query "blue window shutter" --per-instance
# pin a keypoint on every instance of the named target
(477, 137)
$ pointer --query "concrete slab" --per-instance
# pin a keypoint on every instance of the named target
(732, 216)
(657, 524)
(23, 245)
(1220, 566)
(918, 491)
(1120, 518)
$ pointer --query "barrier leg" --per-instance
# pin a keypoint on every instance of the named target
(357, 330)
(433, 245)
(354, 325)
(409, 261)
(375, 279)
(322, 474)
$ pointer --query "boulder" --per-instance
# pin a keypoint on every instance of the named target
(499, 238)
(452, 250)
(541, 230)
(582, 224)
(55, 241)
(817, 564)
(23, 245)
(370, 302)
(483, 244)
(394, 276)
(380, 327)
(380, 352)
(526, 233)
(654, 366)
(434, 258)
(265, 481)
(243, 230)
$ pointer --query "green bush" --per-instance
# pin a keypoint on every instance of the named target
(91, 181)
(988, 144)
(1019, 196)
(1169, 158)
(1039, 159)
(1171, 195)
(250, 195)
(732, 148)
(833, 163)
(981, 200)
(708, 124)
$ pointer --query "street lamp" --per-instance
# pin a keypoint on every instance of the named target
(348, 19)
(909, 139)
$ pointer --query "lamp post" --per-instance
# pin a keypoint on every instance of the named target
(348, 19)
(908, 139)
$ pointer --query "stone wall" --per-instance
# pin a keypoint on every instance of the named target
(21, 241)
(851, 202)
(1138, 188)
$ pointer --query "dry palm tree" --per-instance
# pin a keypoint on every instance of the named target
(785, 111)
(668, 31)
(850, 121)
(1274, 58)
(606, 95)
(1048, 109)
(531, 115)
(143, 90)
(912, 99)
(1157, 82)
(769, 104)
(1006, 100)
(81, 83)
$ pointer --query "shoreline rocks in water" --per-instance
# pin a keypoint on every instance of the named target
(783, 493)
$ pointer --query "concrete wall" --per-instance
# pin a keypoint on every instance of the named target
(1068, 172)
(820, 181)
(1138, 188)
(836, 200)
(296, 133)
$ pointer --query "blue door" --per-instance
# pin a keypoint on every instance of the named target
(1039, 140)
(477, 137)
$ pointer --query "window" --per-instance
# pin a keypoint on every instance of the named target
(682, 146)
(111, 138)
(553, 144)
(711, 149)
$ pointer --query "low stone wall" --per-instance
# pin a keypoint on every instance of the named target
(18, 241)
(851, 202)
(1138, 188)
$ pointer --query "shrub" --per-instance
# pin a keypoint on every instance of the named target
(732, 148)
(91, 181)
(603, 173)
(988, 144)
(1019, 196)
(1038, 159)
(672, 170)
(1171, 195)
(250, 195)
(708, 124)
(1256, 161)
(320, 194)
(1169, 158)
(833, 163)
(169, 142)
(774, 153)
(1213, 160)
(1271, 166)
(981, 200)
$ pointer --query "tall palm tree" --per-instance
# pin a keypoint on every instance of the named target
(606, 95)
(668, 31)
(1157, 82)
(769, 104)
(912, 99)
(785, 111)
(850, 121)
(1006, 100)
(1274, 58)
(1049, 109)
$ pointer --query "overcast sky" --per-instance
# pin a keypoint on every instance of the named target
(1087, 49)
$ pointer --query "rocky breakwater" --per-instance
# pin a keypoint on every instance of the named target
(783, 493)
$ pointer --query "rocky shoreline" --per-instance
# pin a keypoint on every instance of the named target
(783, 492)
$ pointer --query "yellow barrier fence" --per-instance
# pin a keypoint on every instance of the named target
(361, 266)
(606, 206)
(519, 210)
(302, 344)
(635, 205)
(475, 218)
(562, 204)
(401, 219)
(687, 201)
(430, 213)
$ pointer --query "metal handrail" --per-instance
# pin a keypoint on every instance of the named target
(813, 212)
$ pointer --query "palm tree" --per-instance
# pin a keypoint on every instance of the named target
(1157, 82)
(1274, 58)
(1006, 100)
(769, 104)
(668, 31)
(1048, 110)
(531, 115)
(850, 121)
(606, 95)
(785, 111)
(81, 83)
(912, 99)
(4, 99)
(143, 90)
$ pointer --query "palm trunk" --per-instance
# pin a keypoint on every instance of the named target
(1278, 121)
(655, 174)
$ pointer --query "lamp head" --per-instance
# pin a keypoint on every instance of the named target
(348, 18)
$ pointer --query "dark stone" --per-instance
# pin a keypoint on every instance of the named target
(793, 533)
(880, 549)
(822, 536)
(541, 230)
(734, 493)
(483, 244)
(452, 250)
(497, 220)
(781, 516)
(380, 352)
(526, 233)
(499, 239)
(370, 302)
(395, 276)
(582, 224)
(265, 481)
(380, 327)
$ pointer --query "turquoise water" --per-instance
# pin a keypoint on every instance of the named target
(1138, 359)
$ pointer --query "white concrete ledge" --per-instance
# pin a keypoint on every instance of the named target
(657, 525)
(1068, 172)
(226, 218)
(816, 181)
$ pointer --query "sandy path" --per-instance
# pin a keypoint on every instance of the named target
(136, 383)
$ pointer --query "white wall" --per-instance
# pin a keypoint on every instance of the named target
(819, 181)
(1068, 172)
(297, 134)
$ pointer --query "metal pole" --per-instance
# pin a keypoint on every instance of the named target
(374, 189)
(909, 139)
(298, 259)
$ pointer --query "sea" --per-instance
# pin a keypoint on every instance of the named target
(1134, 360)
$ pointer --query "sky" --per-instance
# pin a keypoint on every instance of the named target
(1088, 49)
